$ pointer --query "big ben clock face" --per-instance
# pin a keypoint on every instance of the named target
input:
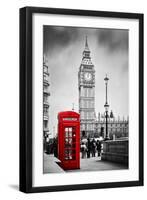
(87, 76)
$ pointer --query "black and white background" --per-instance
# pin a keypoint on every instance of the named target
(63, 47)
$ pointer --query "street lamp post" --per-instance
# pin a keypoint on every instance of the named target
(106, 106)
(106, 79)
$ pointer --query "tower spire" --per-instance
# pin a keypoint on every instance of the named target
(86, 43)
(86, 52)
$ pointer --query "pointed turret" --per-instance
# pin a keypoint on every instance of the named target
(86, 52)
(86, 44)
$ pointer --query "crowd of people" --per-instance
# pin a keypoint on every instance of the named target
(90, 148)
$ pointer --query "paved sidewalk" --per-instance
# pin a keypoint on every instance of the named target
(96, 164)
(50, 164)
(86, 164)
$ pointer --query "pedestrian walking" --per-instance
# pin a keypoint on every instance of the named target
(55, 148)
(83, 150)
(93, 145)
(88, 147)
(99, 147)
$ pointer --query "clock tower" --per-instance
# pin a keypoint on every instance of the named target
(86, 78)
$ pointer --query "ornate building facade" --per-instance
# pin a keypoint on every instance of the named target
(86, 79)
(46, 95)
(117, 128)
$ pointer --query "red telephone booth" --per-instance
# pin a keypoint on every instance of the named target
(69, 140)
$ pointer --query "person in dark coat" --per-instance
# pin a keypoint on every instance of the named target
(88, 147)
(83, 150)
(98, 145)
(55, 147)
(93, 147)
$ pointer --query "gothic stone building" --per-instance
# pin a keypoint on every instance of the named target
(86, 79)
(117, 128)
(89, 125)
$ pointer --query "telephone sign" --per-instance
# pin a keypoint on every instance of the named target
(69, 140)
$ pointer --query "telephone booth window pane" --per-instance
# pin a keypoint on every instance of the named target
(70, 129)
(70, 140)
(70, 134)
(70, 143)
(66, 134)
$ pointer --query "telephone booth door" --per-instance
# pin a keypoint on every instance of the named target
(69, 140)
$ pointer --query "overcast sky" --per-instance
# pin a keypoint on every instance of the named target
(63, 47)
